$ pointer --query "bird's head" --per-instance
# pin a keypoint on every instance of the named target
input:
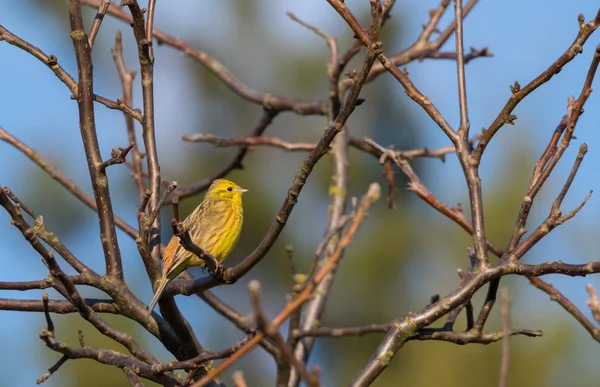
(222, 189)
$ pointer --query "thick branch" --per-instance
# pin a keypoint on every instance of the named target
(87, 124)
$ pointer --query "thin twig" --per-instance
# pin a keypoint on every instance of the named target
(127, 76)
(108, 357)
(15, 199)
(266, 119)
(132, 378)
(117, 156)
(150, 28)
(505, 315)
(52, 62)
(238, 379)
(271, 331)
(147, 81)
(594, 302)
(241, 322)
(98, 21)
(519, 93)
(56, 306)
(199, 360)
(57, 175)
(52, 370)
(567, 305)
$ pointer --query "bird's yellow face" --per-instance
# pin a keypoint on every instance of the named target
(222, 189)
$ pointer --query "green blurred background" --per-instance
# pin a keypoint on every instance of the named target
(398, 259)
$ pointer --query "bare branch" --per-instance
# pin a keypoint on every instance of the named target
(147, 81)
(52, 62)
(98, 21)
(567, 305)
(59, 307)
(18, 202)
(423, 47)
(463, 130)
(85, 103)
(127, 76)
(266, 119)
(245, 141)
(52, 370)
(71, 291)
(306, 168)
(57, 175)
(132, 378)
(241, 322)
(594, 302)
(400, 76)
(367, 201)
(505, 315)
(268, 101)
(50, 330)
(199, 360)
(118, 156)
(518, 93)
(108, 357)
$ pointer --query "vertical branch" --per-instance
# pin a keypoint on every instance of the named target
(338, 191)
(126, 75)
(463, 130)
(190, 345)
(150, 28)
(338, 188)
(98, 21)
(506, 328)
(87, 125)
(470, 168)
(147, 72)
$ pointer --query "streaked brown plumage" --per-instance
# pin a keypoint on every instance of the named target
(214, 226)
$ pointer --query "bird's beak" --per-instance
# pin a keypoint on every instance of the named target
(242, 190)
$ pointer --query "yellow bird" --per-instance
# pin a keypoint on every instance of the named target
(214, 226)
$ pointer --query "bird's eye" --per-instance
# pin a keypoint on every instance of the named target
(229, 189)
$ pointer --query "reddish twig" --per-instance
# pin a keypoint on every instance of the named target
(270, 330)
(372, 195)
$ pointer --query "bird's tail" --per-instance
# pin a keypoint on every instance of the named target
(161, 287)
